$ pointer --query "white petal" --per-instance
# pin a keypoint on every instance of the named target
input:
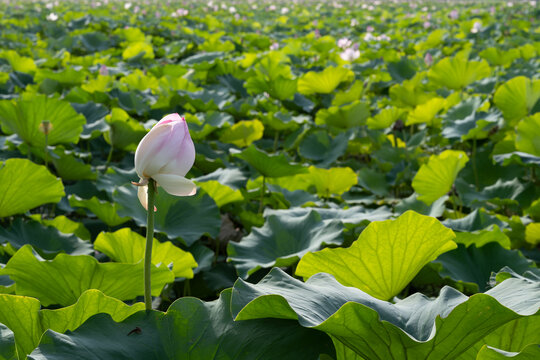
(142, 194)
(176, 185)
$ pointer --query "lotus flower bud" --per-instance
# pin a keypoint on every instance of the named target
(166, 154)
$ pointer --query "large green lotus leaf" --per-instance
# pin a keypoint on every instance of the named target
(104, 210)
(8, 350)
(532, 233)
(282, 241)
(386, 256)
(336, 180)
(19, 63)
(417, 327)
(517, 97)
(22, 315)
(475, 264)
(25, 185)
(62, 280)
(136, 48)
(530, 352)
(280, 87)
(190, 329)
(126, 246)
(91, 302)
(528, 135)
(499, 57)
(323, 82)
(410, 93)
(269, 165)
(326, 182)
(384, 118)
(345, 116)
(243, 133)
(187, 217)
(435, 178)
(46, 240)
(426, 112)
(222, 194)
(458, 72)
(68, 77)
(25, 115)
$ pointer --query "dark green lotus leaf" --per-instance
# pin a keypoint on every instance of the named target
(414, 328)
(25, 185)
(476, 220)
(46, 240)
(190, 328)
(206, 59)
(187, 217)
(475, 265)
(39, 278)
(357, 215)
(270, 165)
(206, 100)
(516, 157)
(502, 192)
(404, 69)
(95, 41)
(7, 344)
(436, 209)
(282, 241)
(465, 121)
(231, 177)
(322, 148)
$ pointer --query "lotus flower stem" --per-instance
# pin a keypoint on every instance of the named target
(149, 243)
(263, 190)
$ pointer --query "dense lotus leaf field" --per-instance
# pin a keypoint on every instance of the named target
(368, 181)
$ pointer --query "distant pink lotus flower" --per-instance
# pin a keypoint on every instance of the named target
(369, 29)
(274, 46)
(166, 154)
(428, 59)
(103, 70)
(453, 14)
